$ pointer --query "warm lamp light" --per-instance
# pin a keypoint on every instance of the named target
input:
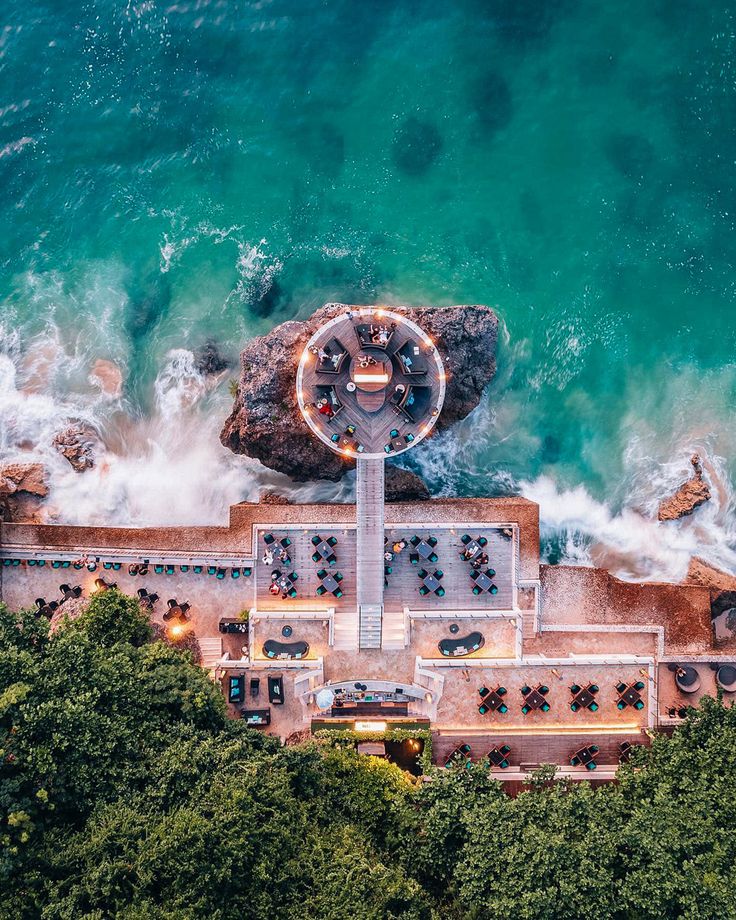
(176, 631)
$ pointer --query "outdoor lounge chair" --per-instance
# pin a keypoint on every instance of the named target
(410, 358)
(333, 348)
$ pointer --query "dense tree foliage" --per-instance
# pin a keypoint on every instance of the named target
(125, 791)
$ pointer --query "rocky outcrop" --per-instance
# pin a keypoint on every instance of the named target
(691, 495)
(266, 423)
(77, 443)
(721, 585)
(273, 498)
(23, 487)
(404, 486)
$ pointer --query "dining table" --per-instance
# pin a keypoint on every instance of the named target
(584, 698)
(483, 581)
(324, 549)
(497, 758)
(534, 699)
(424, 549)
(330, 582)
(471, 550)
(431, 582)
(631, 695)
(492, 700)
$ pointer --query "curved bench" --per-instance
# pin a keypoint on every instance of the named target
(274, 649)
(455, 648)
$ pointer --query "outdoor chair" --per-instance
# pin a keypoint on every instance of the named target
(294, 576)
(394, 433)
(332, 541)
(169, 569)
(423, 590)
(476, 590)
(639, 685)
(483, 691)
(285, 542)
(158, 569)
(594, 688)
(315, 540)
(331, 560)
(321, 590)
(197, 569)
(335, 438)
(594, 748)
(107, 565)
(574, 762)
(545, 707)
(321, 573)
(292, 592)
(544, 690)
(116, 567)
(465, 539)
(591, 765)
(388, 569)
(316, 557)
(483, 709)
(41, 563)
(638, 704)
(414, 558)
(268, 539)
(525, 690)
(439, 573)
(220, 573)
(574, 706)
(415, 541)
(482, 541)
(434, 557)
(422, 573)
(350, 430)
(505, 750)
(593, 707)
(440, 592)
(503, 708)
(432, 541)
(501, 691)
(211, 570)
(247, 571)
(620, 704)
(620, 687)
(55, 564)
(338, 593)
(184, 568)
(525, 709)
(493, 589)
(491, 573)
(338, 576)
(65, 564)
(504, 763)
(235, 573)
(575, 688)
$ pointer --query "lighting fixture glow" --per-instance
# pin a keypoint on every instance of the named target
(371, 378)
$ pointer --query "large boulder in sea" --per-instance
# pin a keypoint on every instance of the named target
(404, 485)
(691, 495)
(23, 488)
(78, 443)
(266, 423)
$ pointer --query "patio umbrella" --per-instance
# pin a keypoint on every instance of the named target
(325, 698)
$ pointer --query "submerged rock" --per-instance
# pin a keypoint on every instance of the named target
(266, 423)
(77, 443)
(691, 495)
(108, 377)
(416, 146)
(404, 485)
(23, 487)
(208, 360)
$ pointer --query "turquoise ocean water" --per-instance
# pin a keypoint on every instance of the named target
(188, 171)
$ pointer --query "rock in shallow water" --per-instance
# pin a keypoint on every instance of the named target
(691, 495)
(404, 486)
(23, 487)
(77, 443)
(266, 423)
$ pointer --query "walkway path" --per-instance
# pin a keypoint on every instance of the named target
(370, 530)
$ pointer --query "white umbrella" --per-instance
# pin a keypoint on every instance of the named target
(325, 698)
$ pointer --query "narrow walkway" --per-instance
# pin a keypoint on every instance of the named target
(369, 511)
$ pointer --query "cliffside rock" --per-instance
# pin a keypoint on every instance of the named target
(266, 423)
(722, 585)
(404, 486)
(691, 494)
(78, 443)
(23, 488)
(273, 498)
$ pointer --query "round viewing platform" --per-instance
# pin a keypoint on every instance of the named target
(370, 383)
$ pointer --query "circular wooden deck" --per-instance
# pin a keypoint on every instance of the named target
(370, 383)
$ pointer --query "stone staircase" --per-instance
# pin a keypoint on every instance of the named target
(345, 629)
(211, 650)
(370, 625)
(394, 629)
